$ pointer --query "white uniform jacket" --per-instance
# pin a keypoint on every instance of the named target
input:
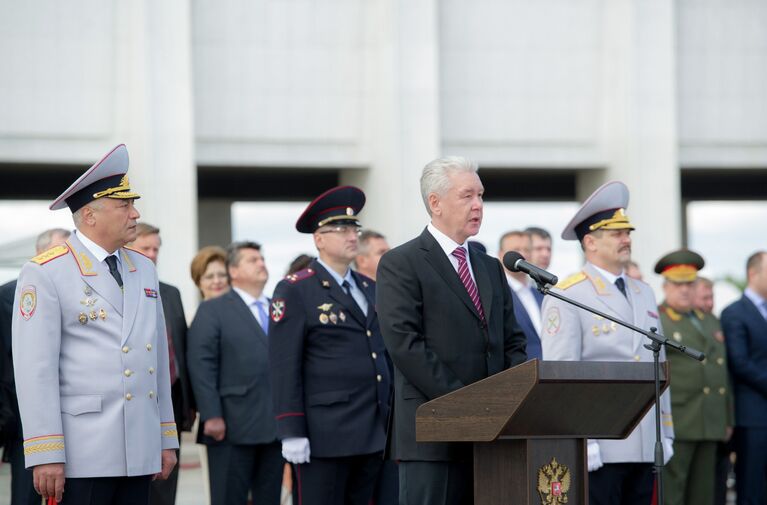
(91, 364)
(571, 334)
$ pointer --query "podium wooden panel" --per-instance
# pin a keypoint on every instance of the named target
(521, 419)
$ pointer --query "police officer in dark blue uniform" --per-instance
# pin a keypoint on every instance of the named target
(331, 377)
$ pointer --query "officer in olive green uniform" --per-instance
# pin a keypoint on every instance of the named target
(700, 393)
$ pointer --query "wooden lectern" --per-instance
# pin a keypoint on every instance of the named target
(529, 425)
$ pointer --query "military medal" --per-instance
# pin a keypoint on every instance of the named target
(595, 330)
(103, 314)
(333, 318)
(342, 316)
(325, 307)
(87, 290)
(93, 315)
(324, 318)
(613, 325)
(82, 318)
(605, 328)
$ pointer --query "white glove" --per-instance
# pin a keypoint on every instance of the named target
(594, 456)
(668, 449)
(296, 450)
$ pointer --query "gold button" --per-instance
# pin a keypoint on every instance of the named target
(129, 397)
(370, 333)
(151, 370)
(722, 391)
(128, 372)
(379, 378)
(706, 390)
(720, 361)
(637, 358)
(149, 347)
(374, 355)
(126, 349)
(151, 394)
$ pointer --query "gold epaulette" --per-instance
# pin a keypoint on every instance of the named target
(50, 254)
(136, 251)
(672, 314)
(572, 280)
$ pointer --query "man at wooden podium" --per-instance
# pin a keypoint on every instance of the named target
(447, 321)
(620, 471)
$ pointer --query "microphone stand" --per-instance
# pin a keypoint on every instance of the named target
(657, 341)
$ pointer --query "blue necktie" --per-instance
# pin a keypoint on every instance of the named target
(263, 318)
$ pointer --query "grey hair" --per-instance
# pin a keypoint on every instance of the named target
(77, 216)
(43, 242)
(435, 175)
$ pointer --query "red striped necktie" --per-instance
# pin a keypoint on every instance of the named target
(468, 282)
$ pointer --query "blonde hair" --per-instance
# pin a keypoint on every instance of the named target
(203, 258)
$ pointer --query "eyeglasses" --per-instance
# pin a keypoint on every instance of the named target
(343, 229)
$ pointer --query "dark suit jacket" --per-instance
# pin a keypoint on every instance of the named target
(175, 321)
(745, 333)
(435, 336)
(534, 349)
(228, 364)
(330, 374)
(12, 429)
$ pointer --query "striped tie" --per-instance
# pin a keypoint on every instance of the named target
(468, 282)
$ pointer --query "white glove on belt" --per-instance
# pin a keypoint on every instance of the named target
(296, 450)
(668, 449)
(594, 456)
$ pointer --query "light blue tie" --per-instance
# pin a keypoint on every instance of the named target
(264, 319)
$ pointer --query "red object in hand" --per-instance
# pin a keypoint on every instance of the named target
(51, 500)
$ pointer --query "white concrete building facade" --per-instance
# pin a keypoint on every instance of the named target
(370, 90)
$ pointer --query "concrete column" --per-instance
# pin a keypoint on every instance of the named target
(639, 123)
(401, 114)
(155, 118)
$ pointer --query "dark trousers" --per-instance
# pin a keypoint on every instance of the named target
(723, 465)
(337, 481)
(107, 491)
(22, 486)
(621, 484)
(436, 483)
(387, 485)
(163, 492)
(236, 469)
(751, 465)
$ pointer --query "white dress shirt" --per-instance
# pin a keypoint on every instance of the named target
(526, 296)
(449, 245)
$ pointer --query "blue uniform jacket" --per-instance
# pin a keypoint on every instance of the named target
(330, 375)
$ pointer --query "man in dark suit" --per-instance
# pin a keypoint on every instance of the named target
(527, 307)
(331, 379)
(229, 367)
(22, 489)
(745, 328)
(148, 243)
(447, 318)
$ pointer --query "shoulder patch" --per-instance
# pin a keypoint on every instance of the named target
(300, 275)
(572, 280)
(50, 254)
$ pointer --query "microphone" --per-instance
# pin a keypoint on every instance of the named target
(516, 263)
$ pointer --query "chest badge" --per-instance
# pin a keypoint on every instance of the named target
(83, 318)
(324, 318)
(325, 307)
